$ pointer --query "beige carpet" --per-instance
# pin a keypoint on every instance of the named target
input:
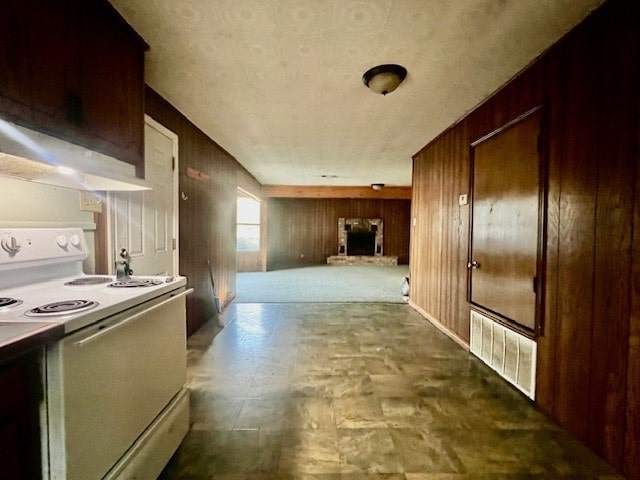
(323, 284)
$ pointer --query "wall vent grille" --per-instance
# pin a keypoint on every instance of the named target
(509, 353)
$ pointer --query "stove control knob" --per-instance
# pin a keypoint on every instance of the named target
(75, 240)
(62, 241)
(10, 244)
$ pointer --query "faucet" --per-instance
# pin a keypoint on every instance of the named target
(123, 267)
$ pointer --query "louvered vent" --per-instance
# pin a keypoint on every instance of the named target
(509, 353)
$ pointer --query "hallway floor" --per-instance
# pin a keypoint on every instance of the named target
(358, 391)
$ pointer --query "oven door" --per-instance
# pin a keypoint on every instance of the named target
(108, 382)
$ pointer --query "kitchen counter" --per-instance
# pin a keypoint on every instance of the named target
(18, 338)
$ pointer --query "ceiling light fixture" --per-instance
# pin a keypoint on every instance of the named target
(384, 79)
(377, 186)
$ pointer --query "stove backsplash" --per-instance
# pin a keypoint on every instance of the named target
(26, 204)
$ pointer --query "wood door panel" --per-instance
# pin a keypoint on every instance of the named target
(506, 193)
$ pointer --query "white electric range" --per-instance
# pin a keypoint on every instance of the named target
(116, 405)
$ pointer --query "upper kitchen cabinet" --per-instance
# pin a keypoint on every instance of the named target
(74, 69)
(32, 54)
(111, 77)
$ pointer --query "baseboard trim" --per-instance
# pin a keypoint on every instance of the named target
(440, 326)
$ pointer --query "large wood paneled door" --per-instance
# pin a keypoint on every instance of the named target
(506, 222)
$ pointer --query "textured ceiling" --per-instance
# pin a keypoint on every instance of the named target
(278, 83)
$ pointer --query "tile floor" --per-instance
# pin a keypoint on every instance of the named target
(358, 391)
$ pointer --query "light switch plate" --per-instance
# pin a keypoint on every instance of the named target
(463, 199)
(89, 202)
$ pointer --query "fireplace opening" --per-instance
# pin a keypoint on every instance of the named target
(361, 243)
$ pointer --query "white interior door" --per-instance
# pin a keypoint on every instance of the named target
(145, 222)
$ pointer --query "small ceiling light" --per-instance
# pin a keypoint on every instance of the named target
(65, 170)
(384, 79)
(377, 186)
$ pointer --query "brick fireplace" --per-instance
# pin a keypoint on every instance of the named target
(354, 235)
(360, 242)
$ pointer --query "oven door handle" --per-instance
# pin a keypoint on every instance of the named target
(107, 330)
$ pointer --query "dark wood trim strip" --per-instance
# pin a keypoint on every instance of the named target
(317, 191)
(506, 126)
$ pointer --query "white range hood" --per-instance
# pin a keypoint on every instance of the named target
(29, 155)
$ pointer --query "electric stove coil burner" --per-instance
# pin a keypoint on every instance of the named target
(61, 308)
(8, 302)
(135, 282)
(89, 281)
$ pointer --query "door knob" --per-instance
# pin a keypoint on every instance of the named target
(473, 265)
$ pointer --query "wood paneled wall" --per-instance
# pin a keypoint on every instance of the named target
(440, 236)
(305, 231)
(588, 375)
(207, 214)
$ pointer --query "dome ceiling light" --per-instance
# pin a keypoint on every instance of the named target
(384, 79)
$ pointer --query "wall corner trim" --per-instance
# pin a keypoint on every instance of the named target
(440, 326)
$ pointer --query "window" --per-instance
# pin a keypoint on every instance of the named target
(248, 228)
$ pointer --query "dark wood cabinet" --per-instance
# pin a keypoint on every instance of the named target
(32, 64)
(46, 43)
(19, 426)
(111, 63)
(74, 69)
